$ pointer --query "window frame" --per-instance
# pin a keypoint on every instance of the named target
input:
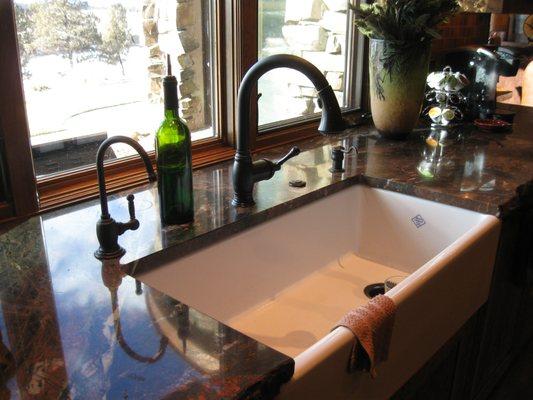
(352, 85)
(245, 24)
(235, 28)
(13, 121)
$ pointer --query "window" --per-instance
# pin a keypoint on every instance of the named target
(93, 69)
(85, 70)
(319, 31)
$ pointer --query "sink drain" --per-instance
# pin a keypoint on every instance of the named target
(374, 290)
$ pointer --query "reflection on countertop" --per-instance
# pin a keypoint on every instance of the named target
(75, 327)
(72, 326)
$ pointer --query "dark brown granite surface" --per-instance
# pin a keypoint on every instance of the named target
(73, 327)
(474, 170)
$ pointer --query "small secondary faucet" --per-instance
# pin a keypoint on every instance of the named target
(107, 229)
(247, 172)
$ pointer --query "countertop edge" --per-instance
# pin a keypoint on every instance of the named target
(156, 259)
(209, 238)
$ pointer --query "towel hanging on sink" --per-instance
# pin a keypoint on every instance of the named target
(372, 326)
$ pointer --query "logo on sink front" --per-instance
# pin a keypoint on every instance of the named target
(418, 221)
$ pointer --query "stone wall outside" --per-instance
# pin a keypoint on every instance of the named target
(316, 31)
(313, 29)
(175, 27)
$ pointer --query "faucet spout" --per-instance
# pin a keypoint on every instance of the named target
(331, 120)
(100, 166)
(246, 172)
(107, 229)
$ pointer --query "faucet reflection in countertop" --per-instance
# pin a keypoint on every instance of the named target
(31, 342)
(7, 369)
(75, 325)
(456, 158)
(437, 164)
(112, 275)
(473, 174)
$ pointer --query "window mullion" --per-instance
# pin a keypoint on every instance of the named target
(13, 121)
(241, 54)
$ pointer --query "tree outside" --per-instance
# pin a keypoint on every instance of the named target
(75, 94)
(74, 46)
(66, 28)
(117, 39)
(25, 36)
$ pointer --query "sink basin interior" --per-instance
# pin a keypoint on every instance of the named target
(303, 313)
(288, 281)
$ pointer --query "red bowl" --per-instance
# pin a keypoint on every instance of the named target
(493, 125)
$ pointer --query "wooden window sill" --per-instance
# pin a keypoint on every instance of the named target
(81, 185)
(76, 186)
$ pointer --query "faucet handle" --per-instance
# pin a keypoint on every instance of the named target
(131, 205)
(133, 223)
(292, 153)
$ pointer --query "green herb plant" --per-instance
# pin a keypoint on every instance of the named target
(406, 26)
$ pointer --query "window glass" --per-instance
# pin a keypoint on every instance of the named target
(316, 30)
(93, 69)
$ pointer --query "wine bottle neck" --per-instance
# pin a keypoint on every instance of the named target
(171, 113)
(170, 94)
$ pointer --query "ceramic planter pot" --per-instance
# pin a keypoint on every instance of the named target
(397, 93)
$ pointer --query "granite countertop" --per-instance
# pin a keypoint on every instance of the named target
(72, 326)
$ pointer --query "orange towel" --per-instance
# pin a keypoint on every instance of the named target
(372, 326)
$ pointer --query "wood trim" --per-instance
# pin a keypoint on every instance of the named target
(292, 130)
(235, 32)
(295, 132)
(10, 222)
(6, 210)
(248, 57)
(69, 177)
(287, 134)
(227, 97)
(365, 91)
(241, 37)
(13, 118)
(130, 172)
(5, 195)
(509, 6)
(74, 187)
(220, 65)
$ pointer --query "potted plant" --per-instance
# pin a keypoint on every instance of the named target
(400, 32)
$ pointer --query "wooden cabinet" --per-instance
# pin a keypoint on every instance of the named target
(6, 209)
(510, 6)
(503, 311)
(445, 376)
(508, 324)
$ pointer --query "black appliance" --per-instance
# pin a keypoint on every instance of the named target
(482, 66)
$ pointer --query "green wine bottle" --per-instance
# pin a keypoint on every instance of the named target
(173, 154)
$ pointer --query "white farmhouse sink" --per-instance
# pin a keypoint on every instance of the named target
(288, 281)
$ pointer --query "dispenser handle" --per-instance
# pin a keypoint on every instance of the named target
(131, 205)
